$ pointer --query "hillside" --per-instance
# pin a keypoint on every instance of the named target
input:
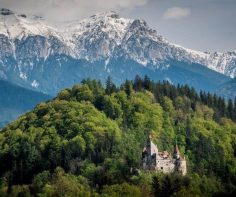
(15, 100)
(88, 141)
(36, 55)
(228, 90)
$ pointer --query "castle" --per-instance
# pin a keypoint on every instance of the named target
(152, 159)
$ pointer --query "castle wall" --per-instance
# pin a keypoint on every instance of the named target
(165, 165)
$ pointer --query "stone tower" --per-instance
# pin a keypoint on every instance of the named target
(180, 163)
(150, 152)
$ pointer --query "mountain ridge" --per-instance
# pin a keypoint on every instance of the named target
(28, 43)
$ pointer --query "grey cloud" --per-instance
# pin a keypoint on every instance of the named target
(176, 13)
(62, 10)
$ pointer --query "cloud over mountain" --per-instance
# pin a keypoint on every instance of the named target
(176, 13)
(60, 10)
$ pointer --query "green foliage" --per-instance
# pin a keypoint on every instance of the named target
(169, 184)
(61, 184)
(122, 190)
(88, 141)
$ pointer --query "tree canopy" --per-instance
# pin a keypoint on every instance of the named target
(88, 141)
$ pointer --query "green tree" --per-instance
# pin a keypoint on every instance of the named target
(123, 190)
(230, 109)
(110, 86)
(138, 83)
(128, 87)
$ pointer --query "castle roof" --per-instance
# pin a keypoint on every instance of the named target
(164, 155)
(176, 150)
(153, 148)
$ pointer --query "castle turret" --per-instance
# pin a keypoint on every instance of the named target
(180, 163)
(181, 166)
(151, 147)
(176, 154)
(150, 152)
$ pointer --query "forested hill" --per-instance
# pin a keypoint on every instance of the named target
(88, 141)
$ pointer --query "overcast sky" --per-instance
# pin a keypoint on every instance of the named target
(207, 25)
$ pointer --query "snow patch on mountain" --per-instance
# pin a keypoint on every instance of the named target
(19, 26)
(35, 84)
(23, 76)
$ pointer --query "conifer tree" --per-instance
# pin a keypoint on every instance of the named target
(234, 112)
(128, 87)
(156, 186)
(230, 109)
(147, 83)
(110, 86)
(137, 83)
(222, 106)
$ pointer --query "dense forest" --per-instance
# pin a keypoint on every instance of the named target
(88, 141)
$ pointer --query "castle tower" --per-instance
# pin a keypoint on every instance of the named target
(176, 154)
(180, 163)
(151, 147)
(150, 152)
(182, 168)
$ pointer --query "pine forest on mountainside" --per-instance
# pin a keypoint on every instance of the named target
(88, 141)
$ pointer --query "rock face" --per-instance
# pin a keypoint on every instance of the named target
(36, 55)
(5, 11)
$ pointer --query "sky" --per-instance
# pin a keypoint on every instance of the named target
(205, 25)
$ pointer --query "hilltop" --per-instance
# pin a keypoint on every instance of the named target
(88, 141)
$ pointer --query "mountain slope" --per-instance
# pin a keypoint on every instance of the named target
(228, 89)
(34, 54)
(15, 100)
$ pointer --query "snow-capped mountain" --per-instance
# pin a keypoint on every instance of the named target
(35, 54)
(110, 32)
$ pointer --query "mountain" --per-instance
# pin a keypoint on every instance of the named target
(16, 100)
(34, 54)
(228, 90)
